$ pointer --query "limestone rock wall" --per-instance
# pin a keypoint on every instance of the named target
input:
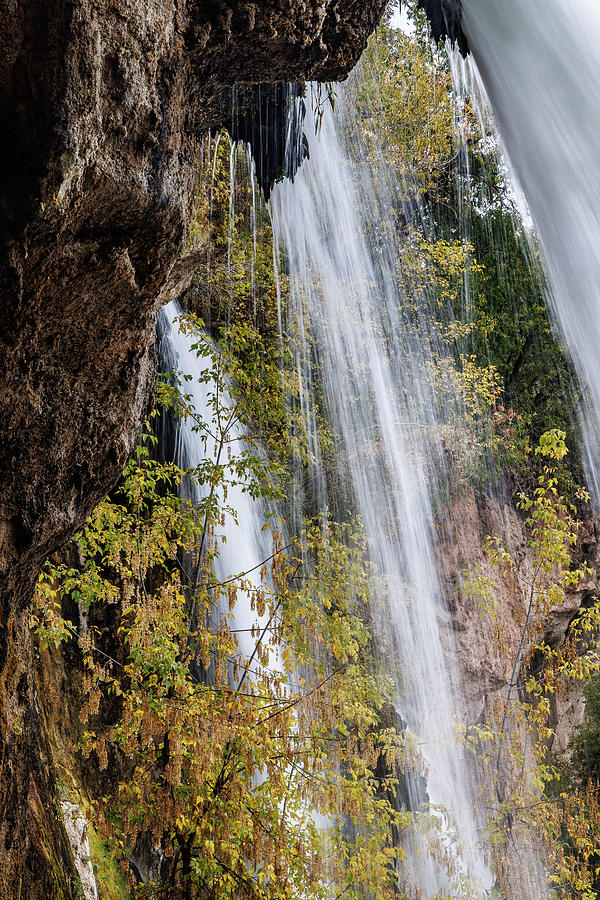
(484, 666)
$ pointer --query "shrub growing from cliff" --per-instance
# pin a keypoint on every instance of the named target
(230, 762)
(528, 808)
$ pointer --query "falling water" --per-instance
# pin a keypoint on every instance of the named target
(540, 62)
(246, 544)
(336, 227)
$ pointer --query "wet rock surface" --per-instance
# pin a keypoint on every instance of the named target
(103, 105)
(445, 17)
(485, 664)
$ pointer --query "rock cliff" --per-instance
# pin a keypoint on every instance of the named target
(484, 667)
(445, 17)
(102, 106)
(486, 632)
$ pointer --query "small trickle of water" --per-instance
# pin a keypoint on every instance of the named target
(252, 179)
(232, 167)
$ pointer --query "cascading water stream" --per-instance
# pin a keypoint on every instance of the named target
(347, 305)
(247, 544)
(540, 63)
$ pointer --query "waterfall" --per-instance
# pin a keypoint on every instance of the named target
(247, 545)
(356, 341)
(540, 63)
(336, 227)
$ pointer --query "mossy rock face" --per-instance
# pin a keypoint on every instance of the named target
(110, 882)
